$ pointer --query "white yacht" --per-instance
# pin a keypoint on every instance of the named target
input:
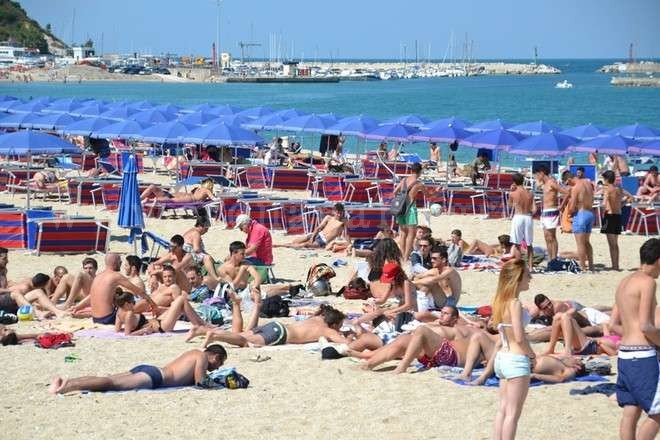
(563, 85)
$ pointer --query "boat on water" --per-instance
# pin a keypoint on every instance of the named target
(564, 85)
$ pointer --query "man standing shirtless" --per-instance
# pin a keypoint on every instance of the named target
(638, 387)
(550, 213)
(612, 220)
(522, 226)
(186, 370)
(442, 281)
(580, 205)
(332, 227)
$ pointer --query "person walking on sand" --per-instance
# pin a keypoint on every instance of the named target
(522, 224)
(407, 221)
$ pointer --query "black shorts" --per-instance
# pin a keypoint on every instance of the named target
(7, 304)
(611, 224)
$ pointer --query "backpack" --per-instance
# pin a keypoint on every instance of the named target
(320, 271)
(224, 378)
(274, 307)
(558, 265)
(356, 289)
(400, 201)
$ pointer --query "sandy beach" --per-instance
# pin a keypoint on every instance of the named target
(295, 394)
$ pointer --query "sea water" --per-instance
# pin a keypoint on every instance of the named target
(514, 99)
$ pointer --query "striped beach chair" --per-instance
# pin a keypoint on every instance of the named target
(108, 195)
(266, 212)
(333, 187)
(13, 230)
(466, 201)
(364, 222)
(204, 168)
(63, 236)
(644, 220)
(361, 190)
(80, 192)
(498, 180)
(370, 169)
(295, 179)
(255, 177)
(292, 213)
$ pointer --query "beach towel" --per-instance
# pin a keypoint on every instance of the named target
(109, 332)
(479, 263)
(452, 373)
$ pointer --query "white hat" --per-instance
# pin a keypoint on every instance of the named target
(241, 220)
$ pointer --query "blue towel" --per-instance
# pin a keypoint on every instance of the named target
(451, 373)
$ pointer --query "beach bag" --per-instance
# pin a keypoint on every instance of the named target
(274, 307)
(210, 314)
(400, 201)
(559, 265)
(54, 340)
(566, 222)
(224, 378)
(356, 289)
(598, 365)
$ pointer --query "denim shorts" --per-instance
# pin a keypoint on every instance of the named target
(511, 365)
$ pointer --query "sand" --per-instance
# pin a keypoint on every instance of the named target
(295, 394)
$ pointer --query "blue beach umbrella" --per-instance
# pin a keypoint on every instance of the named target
(409, 120)
(7, 105)
(354, 126)
(168, 108)
(129, 215)
(19, 120)
(165, 133)
(535, 128)
(584, 132)
(495, 124)
(391, 132)
(308, 123)
(453, 121)
(94, 109)
(493, 139)
(5, 98)
(257, 112)
(120, 130)
(152, 117)
(635, 131)
(85, 127)
(546, 144)
(53, 121)
(441, 134)
(141, 105)
(268, 122)
(29, 107)
(119, 113)
(205, 107)
(222, 134)
(649, 147)
(225, 110)
(198, 118)
(45, 100)
(289, 113)
(606, 145)
(229, 120)
(64, 106)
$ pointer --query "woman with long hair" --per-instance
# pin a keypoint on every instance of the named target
(513, 363)
(388, 280)
(407, 220)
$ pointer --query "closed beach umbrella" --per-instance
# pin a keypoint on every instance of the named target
(584, 132)
(493, 139)
(53, 121)
(222, 134)
(152, 117)
(409, 120)
(547, 144)
(441, 134)
(94, 109)
(495, 124)
(453, 121)
(85, 127)
(257, 112)
(119, 113)
(354, 126)
(391, 132)
(606, 145)
(308, 123)
(648, 147)
(198, 118)
(635, 131)
(129, 215)
(120, 130)
(268, 122)
(165, 133)
(19, 120)
(225, 110)
(535, 128)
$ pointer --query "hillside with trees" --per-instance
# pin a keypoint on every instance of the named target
(16, 27)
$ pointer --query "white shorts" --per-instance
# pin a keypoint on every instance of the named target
(550, 219)
(522, 229)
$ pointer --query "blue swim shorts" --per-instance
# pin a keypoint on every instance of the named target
(583, 221)
(637, 383)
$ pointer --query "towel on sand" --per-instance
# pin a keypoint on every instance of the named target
(452, 373)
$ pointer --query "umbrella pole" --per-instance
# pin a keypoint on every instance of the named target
(28, 183)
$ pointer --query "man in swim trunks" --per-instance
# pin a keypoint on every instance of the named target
(165, 294)
(178, 258)
(504, 248)
(550, 213)
(75, 287)
(186, 370)
(30, 291)
(194, 245)
(650, 188)
(522, 225)
(332, 227)
(638, 387)
(612, 222)
(442, 282)
(237, 273)
(581, 203)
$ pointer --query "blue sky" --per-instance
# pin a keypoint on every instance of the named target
(362, 28)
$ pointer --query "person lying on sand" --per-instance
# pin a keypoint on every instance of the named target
(9, 336)
(577, 342)
(200, 194)
(332, 227)
(186, 370)
(504, 248)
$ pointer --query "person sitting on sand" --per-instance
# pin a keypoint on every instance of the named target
(58, 273)
(75, 287)
(237, 273)
(165, 294)
(177, 258)
(504, 248)
(194, 245)
(555, 309)
(332, 227)
(421, 258)
(326, 322)
(259, 242)
(441, 284)
(136, 324)
(455, 247)
(650, 187)
(198, 290)
(30, 291)
(200, 194)
(188, 369)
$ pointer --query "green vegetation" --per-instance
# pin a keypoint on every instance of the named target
(15, 25)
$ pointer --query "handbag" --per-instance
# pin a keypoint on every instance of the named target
(400, 201)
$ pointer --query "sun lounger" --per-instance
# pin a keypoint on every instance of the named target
(109, 193)
(295, 179)
(71, 235)
(366, 221)
(155, 209)
(267, 212)
(255, 177)
(644, 220)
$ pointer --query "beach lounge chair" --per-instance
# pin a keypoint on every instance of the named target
(364, 222)
(256, 178)
(80, 192)
(292, 214)
(13, 229)
(361, 190)
(644, 220)
(157, 243)
(71, 235)
(295, 179)
(109, 193)
(463, 200)
(333, 187)
(264, 211)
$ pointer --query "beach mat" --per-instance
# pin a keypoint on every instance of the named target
(451, 373)
(108, 332)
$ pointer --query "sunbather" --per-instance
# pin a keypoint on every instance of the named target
(186, 370)
(554, 368)
(577, 342)
(75, 287)
(178, 258)
(30, 291)
(442, 284)
(9, 336)
(165, 294)
(504, 249)
(237, 273)
(45, 180)
(332, 227)
(200, 194)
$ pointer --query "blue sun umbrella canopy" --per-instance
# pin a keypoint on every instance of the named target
(648, 147)
(635, 131)
(168, 108)
(308, 123)
(584, 132)
(6, 106)
(165, 133)
(535, 128)
(205, 107)
(4, 98)
(23, 143)
(53, 121)
(64, 106)
(19, 120)
(453, 121)
(85, 127)
(547, 144)
(29, 107)
(95, 109)
(354, 126)
(152, 116)
(198, 118)
(120, 130)
(119, 113)
(441, 134)
(268, 122)
(222, 134)
(493, 139)
(494, 124)
(257, 112)
(225, 109)
(409, 120)
(391, 132)
(229, 120)
(141, 105)
(130, 215)
(289, 113)
(606, 145)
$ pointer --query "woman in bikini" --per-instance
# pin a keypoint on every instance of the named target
(200, 194)
(408, 220)
(513, 362)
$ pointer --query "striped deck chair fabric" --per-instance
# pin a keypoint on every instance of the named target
(386, 192)
(333, 187)
(13, 230)
(6, 178)
(365, 222)
(644, 220)
(255, 177)
(361, 191)
(81, 192)
(370, 169)
(465, 201)
(292, 179)
(72, 236)
(266, 212)
(203, 169)
(292, 212)
(110, 195)
(505, 180)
